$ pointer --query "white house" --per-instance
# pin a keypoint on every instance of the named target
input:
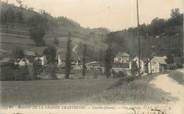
(42, 59)
(22, 62)
(157, 64)
(59, 59)
(122, 58)
(60, 56)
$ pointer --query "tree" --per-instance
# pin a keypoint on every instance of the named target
(36, 68)
(38, 27)
(108, 61)
(176, 18)
(20, 3)
(84, 60)
(175, 13)
(50, 53)
(10, 15)
(18, 53)
(170, 59)
(101, 55)
(19, 17)
(157, 26)
(68, 57)
(56, 41)
(134, 68)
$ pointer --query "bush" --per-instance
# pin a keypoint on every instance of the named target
(38, 26)
(18, 52)
(9, 73)
(119, 74)
(21, 74)
(50, 70)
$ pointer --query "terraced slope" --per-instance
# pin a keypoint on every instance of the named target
(13, 36)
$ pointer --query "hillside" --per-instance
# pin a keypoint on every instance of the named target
(13, 36)
(162, 37)
(17, 23)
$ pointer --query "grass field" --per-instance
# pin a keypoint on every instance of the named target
(139, 91)
(177, 76)
(80, 91)
(50, 91)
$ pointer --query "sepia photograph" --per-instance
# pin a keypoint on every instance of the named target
(91, 57)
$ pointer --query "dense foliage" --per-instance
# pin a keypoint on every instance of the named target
(38, 26)
(18, 53)
(160, 37)
(68, 58)
(108, 61)
(50, 53)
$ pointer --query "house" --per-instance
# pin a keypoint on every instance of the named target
(157, 64)
(38, 53)
(29, 53)
(122, 58)
(21, 62)
(61, 56)
(38, 50)
(42, 59)
(94, 65)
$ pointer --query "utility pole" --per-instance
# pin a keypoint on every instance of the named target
(139, 39)
(183, 43)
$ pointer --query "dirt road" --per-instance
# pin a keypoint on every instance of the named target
(175, 89)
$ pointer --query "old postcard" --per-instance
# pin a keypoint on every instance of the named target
(91, 56)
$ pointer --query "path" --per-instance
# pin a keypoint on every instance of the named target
(176, 90)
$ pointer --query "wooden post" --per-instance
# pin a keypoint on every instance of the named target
(139, 39)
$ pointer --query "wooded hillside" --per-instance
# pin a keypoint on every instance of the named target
(161, 37)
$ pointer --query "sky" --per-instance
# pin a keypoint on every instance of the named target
(111, 14)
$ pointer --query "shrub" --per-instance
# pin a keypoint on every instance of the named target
(9, 72)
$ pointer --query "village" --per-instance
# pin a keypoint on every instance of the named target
(100, 52)
(52, 47)
(123, 65)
